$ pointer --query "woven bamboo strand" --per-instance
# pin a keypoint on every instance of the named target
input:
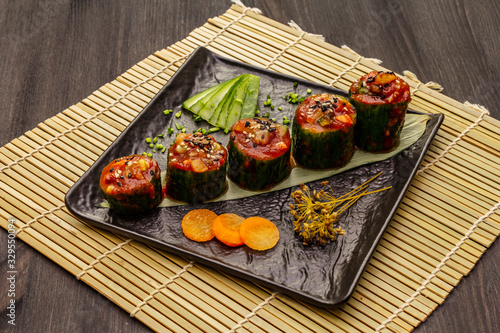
(437, 269)
(157, 290)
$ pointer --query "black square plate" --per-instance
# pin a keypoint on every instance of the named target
(321, 276)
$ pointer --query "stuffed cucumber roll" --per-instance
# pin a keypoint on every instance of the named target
(259, 153)
(132, 184)
(381, 100)
(196, 168)
(323, 132)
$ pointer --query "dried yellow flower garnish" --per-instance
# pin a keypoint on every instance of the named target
(316, 214)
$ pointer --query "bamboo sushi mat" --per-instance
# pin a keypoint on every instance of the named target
(446, 221)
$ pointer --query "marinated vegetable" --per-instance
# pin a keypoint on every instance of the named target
(196, 168)
(132, 184)
(259, 153)
(197, 225)
(259, 233)
(381, 100)
(323, 132)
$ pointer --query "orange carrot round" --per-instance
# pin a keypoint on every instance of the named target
(259, 233)
(197, 225)
(226, 228)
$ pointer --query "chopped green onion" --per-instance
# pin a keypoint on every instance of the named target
(301, 99)
(148, 140)
(226, 130)
(280, 108)
(163, 150)
(273, 119)
(150, 155)
(178, 114)
(153, 151)
(161, 135)
(309, 91)
(155, 140)
(257, 111)
(213, 129)
(166, 112)
(286, 122)
(170, 131)
(267, 115)
(151, 145)
(159, 146)
(203, 131)
(144, 153)
(272, 107)
(183, 130)
(295, 84)
(177, 126)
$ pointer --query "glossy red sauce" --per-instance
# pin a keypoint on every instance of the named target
(128, 174)
(196, 152)
(325, 112)
(260, 138)
(378, 88)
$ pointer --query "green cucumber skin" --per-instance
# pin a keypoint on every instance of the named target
(196, 187)
(251, 97)
(207, 111)
(220, 113)
(234, 111)
(137, 202)
(325, 150)
(374, 122)
(256, 175)
(194, 101)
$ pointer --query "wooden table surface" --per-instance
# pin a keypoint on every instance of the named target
(54, 53)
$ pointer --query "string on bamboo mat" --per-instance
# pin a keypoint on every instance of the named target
(44, 214)
(295, 42)
(254, 312)
(157, 290)
(102, 256)
(431, 84)
(438, 268)
(479, 108)
(353, 65)
(131, 89)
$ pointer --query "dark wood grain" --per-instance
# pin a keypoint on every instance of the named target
(54, 53)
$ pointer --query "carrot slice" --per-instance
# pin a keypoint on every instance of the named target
(259, 233)
(197, 225)
(226, 228)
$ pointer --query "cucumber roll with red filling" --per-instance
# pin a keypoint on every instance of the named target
(259, 153)
(196, 168)
(381, 100)
(323, 132)
(132, 184)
